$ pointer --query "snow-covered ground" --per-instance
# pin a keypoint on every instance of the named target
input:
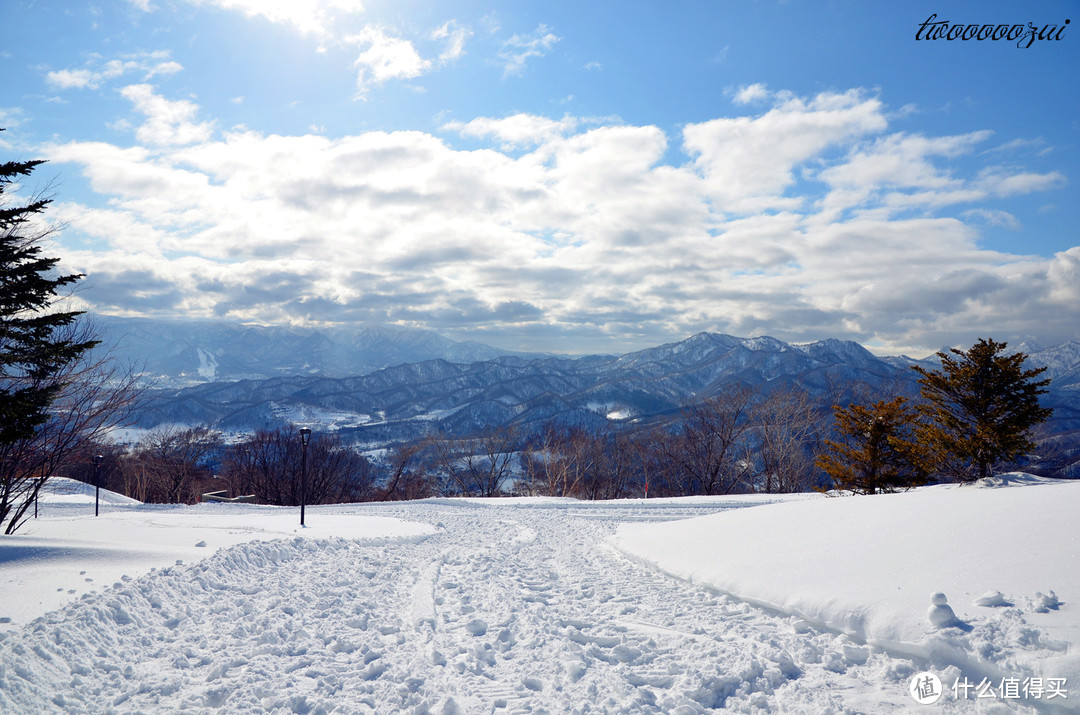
(812, 604)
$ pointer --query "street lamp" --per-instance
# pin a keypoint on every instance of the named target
(305, 435)
(97, 459)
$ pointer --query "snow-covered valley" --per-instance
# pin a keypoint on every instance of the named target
(530, 605)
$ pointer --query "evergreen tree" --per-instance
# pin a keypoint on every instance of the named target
(36, 342)
(876, 451)
(981, 407)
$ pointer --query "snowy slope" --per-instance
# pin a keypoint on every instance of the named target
(867, 566)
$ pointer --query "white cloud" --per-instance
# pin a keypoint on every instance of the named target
(748, 162)
(992, 217)
(74, 79)
(385, 57)
(308, 16)
(455, 36)
(10, 117)
(1005, 183)
(97, 73)
(519, 49)
(164, 68)
(563, 226)
(1063, 277)
(516, 130)
(902, 160)
(751, 93)
(168, 122)
(1037, 145)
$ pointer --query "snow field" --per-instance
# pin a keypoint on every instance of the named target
(533, 605)
(503, 610)
(68, 552)
(977, 581)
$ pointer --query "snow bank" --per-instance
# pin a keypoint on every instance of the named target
(868, 567)
(67, 551)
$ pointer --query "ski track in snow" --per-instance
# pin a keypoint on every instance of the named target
(503, 610)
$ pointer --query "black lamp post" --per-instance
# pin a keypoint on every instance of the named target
(98, 459)
(305, 435)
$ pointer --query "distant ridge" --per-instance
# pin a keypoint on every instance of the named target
(322, 380)
(405, 400)
(179, 353)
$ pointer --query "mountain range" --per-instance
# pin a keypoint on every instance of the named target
(181, 353)
(293, 375)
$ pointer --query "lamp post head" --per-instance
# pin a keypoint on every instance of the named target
(305, 435)
(98, 459)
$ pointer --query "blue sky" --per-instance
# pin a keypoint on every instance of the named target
(570, 177)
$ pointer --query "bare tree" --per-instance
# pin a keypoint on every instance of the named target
(568, 457)
(268, 465)
(612, 465)
(706, 448)
(408, 477)
(480, 465)
(787, 432)
(588, 464)
(169, 463)
(95, 396)
(654, 471)
(83, 466)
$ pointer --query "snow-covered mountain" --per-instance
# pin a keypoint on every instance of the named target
(178, 353)
(406, 401)
(1062, 362)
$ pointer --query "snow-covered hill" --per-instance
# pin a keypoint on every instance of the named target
(403, 401)
(175, 353)
(808, 605)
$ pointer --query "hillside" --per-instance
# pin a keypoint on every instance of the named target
(406, 400)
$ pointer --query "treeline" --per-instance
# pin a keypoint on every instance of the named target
(973, 417)
(719, 446)
(176, 465)
(735, 442)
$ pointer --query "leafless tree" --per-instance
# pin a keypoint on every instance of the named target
(567, 457)
(588, 464)
(787, 430)
(479, 465)
(613, 465)
(168, 465)
(269, 465)
(408, 476)
(96, 395)
(83, 466)
(656, 474)
(706, 448)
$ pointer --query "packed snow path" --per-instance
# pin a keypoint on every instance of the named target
(505, 609)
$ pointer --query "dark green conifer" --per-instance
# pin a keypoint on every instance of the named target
(35, 339)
